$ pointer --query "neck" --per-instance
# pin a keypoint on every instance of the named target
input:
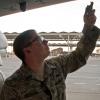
(37, 68)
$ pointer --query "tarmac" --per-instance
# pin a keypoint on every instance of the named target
(84, 84)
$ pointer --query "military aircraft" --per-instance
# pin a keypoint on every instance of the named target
(14, 6)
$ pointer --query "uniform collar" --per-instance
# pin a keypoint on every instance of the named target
(28, 73)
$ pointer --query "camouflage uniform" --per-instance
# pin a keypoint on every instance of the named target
(23, 84)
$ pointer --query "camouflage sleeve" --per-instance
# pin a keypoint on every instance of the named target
(8, 93)
(76, 59)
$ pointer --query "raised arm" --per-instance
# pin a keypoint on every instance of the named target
(76, 59)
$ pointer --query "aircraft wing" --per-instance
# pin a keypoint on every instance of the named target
(13, 6)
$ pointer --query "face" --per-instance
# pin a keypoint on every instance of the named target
(39, 47)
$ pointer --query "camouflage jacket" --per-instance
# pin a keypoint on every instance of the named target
(23, 84)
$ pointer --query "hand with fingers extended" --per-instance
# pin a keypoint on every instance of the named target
(89, 16)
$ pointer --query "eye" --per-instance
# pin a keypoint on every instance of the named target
(45, 41)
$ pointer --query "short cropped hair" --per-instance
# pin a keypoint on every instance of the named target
(20, 41)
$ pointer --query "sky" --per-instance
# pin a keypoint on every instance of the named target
(66, 17)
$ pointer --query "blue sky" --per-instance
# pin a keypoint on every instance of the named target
(66, 17)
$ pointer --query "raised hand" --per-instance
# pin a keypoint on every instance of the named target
(89, 16)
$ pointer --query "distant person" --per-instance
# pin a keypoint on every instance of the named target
(3, 45)
(39, 78)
